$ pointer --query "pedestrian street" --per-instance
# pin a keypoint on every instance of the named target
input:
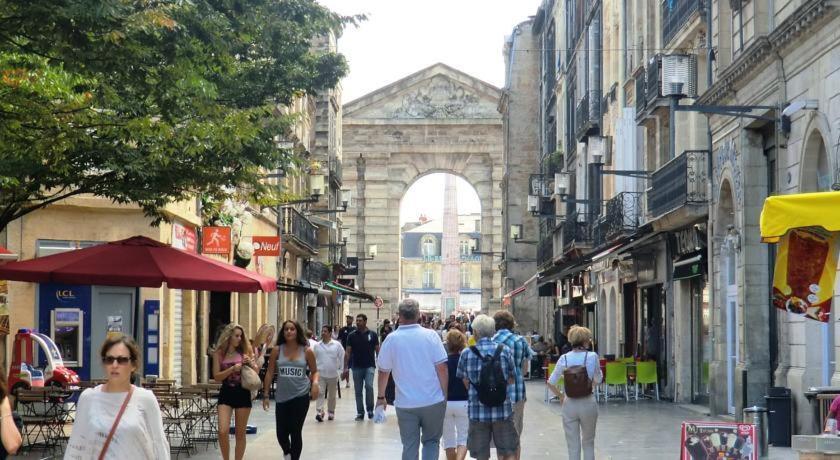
(646, 430)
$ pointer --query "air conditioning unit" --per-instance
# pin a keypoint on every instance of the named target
(679, 75)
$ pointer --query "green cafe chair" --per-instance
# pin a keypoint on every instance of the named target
(548, 395)
(617, 377)
(646, 375)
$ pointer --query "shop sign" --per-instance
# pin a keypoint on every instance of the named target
(4, 307)
(352, 266)
(266, 245)
(215, 240)
(803, 281)
(690, 239)
(645, 269)
(718, 440)
(589, 284)
(183, 237)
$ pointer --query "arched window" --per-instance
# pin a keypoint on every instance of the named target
(465, 248)
(429, 246)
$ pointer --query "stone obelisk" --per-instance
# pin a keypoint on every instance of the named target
(451, 256)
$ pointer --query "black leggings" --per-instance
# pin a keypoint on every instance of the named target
(290, 416)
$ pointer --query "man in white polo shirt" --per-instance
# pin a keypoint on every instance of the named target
(417, 359)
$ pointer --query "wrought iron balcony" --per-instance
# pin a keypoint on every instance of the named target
(652, 81)
(599, 232)
(317, 272)
(336, 171)
(299, 229)
(623, 215)
(582, 121)
(545, 251)
(675, 14)
(641, 93)
(680, 182)
(575, 233)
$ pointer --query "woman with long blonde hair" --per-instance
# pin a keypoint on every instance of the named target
(232, 351)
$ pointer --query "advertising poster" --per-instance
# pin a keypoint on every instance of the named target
(803, 280)
(183, 237)
(718, 441)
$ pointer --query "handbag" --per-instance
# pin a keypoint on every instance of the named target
(250, 379)
(116, 422)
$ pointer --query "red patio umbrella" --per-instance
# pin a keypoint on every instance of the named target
(139, 262)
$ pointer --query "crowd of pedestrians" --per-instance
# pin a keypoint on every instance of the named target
(458, 382)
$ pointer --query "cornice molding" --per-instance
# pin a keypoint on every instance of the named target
(803, 20)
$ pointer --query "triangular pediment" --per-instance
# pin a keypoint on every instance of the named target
(436, 92)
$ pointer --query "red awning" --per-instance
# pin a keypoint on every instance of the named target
(5, 254)
(137, 261)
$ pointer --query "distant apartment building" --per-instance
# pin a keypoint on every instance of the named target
(422, 264)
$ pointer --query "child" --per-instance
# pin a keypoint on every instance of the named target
(833, 414)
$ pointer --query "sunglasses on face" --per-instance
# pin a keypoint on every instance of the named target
(122, 360)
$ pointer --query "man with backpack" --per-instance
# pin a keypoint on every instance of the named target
(522, 354)
(488, 372)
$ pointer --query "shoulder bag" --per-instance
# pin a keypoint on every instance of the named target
(116, 422)
(249, 378)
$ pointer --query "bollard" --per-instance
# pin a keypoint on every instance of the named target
(758, 417)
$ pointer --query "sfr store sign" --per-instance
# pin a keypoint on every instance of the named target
(266, 245)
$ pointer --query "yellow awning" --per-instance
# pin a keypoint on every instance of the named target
(784, 212)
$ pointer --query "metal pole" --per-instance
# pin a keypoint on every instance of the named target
(672, 127)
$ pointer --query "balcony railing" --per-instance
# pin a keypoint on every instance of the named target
(679, 182)
(298, 227)
(582, 117)
(652, 80)
(641, 93)
(575, 232)
(675, 14)
(317, 272)
(623, 214)
(545, 251)
(336, 171)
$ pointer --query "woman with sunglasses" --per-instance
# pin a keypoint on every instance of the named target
(233, 351)
(117, 420)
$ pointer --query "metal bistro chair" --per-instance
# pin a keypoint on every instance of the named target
(646, 375)
(616, 377)
(548, 398)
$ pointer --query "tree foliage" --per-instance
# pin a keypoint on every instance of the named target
(152, 101)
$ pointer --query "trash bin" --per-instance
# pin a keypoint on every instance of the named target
(780, 409)
(758, 417)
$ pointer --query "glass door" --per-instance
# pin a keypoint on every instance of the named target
(701, 344)
(732, 338)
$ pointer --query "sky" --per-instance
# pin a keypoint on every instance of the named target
(401, 37)
(426, 197)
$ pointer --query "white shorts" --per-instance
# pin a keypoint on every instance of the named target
(456, 425)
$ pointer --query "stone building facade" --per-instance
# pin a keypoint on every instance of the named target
(436, 120)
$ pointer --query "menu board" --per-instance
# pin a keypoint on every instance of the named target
(718, 441)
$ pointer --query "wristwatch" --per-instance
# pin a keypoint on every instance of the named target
(380, 397)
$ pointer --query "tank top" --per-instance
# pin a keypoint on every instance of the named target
(235, 378)
(292, 378)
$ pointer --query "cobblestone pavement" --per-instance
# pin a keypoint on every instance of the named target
(646, 430)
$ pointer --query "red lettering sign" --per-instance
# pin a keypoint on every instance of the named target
(266, 245)
(215, 240)
(183, 237)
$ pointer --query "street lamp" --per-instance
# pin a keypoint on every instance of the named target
(516, 235)
(371, 252)
(344, 196)
(474, 246)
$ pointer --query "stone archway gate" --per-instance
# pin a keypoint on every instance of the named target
(436, 120)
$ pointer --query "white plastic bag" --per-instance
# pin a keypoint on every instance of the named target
(379, 414)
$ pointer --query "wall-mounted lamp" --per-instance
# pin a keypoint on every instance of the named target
(516, 234)
(371, 253)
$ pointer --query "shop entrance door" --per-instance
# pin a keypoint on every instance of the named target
(631, 320)
(701, 344)
(731, 299)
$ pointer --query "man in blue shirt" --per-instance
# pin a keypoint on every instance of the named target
(522, 354)
(487, 422)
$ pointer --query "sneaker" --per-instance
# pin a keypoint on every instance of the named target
(360, 417)
(370, 415)
(348, 385)
(320, 417)
(332, 416)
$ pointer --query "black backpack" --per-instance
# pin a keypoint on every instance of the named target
(492, 384)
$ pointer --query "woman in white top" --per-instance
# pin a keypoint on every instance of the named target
(579, 414)
(139, 431)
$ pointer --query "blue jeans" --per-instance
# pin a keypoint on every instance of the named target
(363, 375)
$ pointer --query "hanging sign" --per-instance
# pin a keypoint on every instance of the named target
(4, 307)
(803, 281)
(183, 237)
(215, 240)
(718, 440)
(266, 245)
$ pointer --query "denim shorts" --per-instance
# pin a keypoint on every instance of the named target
(502, 432)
